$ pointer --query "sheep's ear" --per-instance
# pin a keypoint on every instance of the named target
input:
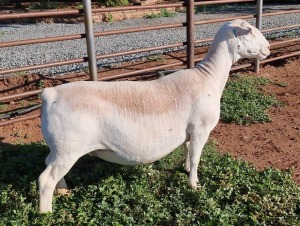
(239, 31)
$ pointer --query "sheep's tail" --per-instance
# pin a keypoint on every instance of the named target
(49, 96)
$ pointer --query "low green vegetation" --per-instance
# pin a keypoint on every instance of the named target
(113, 3)
(231, 192)
(210, 8)
(45, 4)
(162, 13)
(281, 1)
(244, 102)
(156, 58)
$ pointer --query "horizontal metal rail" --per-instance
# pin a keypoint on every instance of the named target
(180, 44)
(42, 40)
(282, 12)
(31, 93)
(40, 66)
(238, 67)
(20, 119)
(281, 28)
(285, 41)
(77, 11)
(40, 14)
(297, 53)
(126, 8)
(223, 19)
(113, 32)
(19, 95)
(82, 60)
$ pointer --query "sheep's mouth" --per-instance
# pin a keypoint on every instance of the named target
(263, 55)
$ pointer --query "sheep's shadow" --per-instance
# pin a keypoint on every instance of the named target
(21, 164)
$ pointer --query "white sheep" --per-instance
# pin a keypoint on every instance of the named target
(135, 123)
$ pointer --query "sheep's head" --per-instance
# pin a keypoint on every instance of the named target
(246, 41)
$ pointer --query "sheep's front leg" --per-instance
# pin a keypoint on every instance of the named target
(195, 149)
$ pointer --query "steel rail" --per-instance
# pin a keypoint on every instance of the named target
(39, 66)
(285, 41)
(77, 11)
(258, 25)
(114, 32)
(282, 12)
(31, 93)
(238, 67)
(159, 6)
(180, 44)
(90, 39)
(40, 14)
(281, 57)
(190, 33)
(223, 19)
(42, 40)
(108, 9)
(127, 74)
(280, 28)
(20, 95)
(82, 60)
(80, 36)
(20, 119)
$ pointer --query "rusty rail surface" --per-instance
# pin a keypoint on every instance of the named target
(97, 34)
(132, 30)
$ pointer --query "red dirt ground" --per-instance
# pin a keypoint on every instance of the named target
(275, 144)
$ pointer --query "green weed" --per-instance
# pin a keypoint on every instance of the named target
(231, 192)
(44, 4)
(109, 17)
(162, 13)
(113, 3)
(243, 101)
(156, 58)
(2, 107)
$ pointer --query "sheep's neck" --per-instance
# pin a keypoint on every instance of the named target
(217, 64)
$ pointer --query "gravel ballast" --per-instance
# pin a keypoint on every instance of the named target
(13, 57)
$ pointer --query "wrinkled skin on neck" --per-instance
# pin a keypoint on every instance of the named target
(235, 40)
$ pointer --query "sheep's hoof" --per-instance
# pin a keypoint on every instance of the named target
(187, 168)
(63, 191)
(194, 185)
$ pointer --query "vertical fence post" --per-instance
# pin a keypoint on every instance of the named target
(90, 41)
(259, 8)
(190, 33)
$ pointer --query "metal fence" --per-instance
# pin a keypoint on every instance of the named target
(89, 36)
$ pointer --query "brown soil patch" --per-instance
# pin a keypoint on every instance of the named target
(275, 144)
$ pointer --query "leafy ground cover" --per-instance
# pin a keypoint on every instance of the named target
(231, 191)
(244, 102)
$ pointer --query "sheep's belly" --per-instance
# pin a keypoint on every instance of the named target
(134, 157)
(123, 159)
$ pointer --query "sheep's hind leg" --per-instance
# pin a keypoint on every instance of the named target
(54, 172)
(61, 187)
(186, 147)
(197, 143)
